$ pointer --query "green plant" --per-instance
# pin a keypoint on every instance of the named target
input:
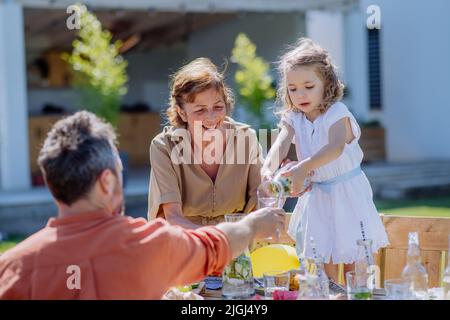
(252, 77)
(99, 69)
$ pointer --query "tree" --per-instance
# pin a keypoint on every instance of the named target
(252, 78)
(99, 69)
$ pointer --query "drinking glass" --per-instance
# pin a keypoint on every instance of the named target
(397, 289)
(275, 280)
(269, 195)
(357, 288)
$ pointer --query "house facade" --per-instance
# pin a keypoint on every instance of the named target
(398, 74)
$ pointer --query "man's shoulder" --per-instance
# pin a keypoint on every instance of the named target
(21, 257)
(141, 225)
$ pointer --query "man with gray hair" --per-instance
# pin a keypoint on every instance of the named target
(91, 250)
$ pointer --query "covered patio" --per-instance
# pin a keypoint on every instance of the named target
(158, 36)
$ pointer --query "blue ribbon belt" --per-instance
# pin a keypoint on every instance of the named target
(326, 185)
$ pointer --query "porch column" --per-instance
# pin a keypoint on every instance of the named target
(14, 164)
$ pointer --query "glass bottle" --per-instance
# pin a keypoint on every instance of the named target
(282, 183)
(364, 269)
(285, 184)
(237, 277)
(324, 283)
(414, 272)
(314, 283)
(446, 279)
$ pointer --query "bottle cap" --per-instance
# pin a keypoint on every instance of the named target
(413, 237)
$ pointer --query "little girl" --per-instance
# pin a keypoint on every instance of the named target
(326, 137)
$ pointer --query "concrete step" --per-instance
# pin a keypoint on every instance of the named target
(397, 180)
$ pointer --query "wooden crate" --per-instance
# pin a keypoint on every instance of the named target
(373, 144)
(433, 237)
(59, 71)
(135, 132)
(38, 127)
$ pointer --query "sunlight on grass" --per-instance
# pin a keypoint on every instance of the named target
(432, 207)
(5, 245)
(11, 242)
(419, 212)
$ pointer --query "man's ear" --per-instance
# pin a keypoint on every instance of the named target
(106, 181)
(181, 113)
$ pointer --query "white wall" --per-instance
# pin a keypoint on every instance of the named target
(326, 28)
(356, 63)
(342, 34)
(14, 168)
(416, 78)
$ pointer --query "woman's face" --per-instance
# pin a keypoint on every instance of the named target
(208, 110)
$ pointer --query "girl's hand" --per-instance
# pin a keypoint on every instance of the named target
(266, 176)
(298, 173)
(285, 162)
(287, 165)
(309, 187)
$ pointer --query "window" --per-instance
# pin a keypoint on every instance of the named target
(374, 69)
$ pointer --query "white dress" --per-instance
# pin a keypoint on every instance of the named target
(332, 217)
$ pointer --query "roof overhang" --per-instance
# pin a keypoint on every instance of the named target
(198, 5)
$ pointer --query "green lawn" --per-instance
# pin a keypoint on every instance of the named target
(431, 207)
(11, 242)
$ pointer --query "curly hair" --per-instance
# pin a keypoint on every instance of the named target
(195, 77)
(306, 53)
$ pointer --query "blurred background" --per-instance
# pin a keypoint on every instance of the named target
(397, 85)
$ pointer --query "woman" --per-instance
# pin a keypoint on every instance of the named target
(204, 164)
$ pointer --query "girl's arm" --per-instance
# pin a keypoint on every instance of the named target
(174, 215)
(278, 151)
(339, 134)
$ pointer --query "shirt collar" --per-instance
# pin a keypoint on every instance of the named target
(79, 217)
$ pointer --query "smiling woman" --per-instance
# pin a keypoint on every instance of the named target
(203, 189)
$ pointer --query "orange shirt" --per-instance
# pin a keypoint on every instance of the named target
(118, 258)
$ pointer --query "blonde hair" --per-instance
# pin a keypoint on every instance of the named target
(306, 53)
(193, 78)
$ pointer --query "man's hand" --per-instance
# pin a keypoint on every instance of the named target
(260, 224)
(267, 222)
